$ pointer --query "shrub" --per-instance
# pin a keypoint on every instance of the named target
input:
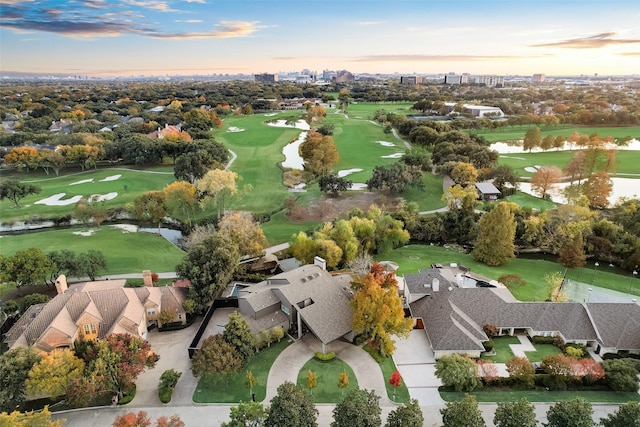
(127, 396)
(542, 340)
(490, 329)
(575, 352)
(325, 356)
(488, 346)
(168, 381)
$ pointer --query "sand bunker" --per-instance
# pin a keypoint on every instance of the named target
(345, 172)
(84, 233)
(358, 186)
(126, 228)
(386, 143)
(531, 169)
(102, 197)
(84, 181)
(393, 156)
(111, 178)
(270, 114)
(292, 157)
(56, 200)
(235, 129)
(300, 124)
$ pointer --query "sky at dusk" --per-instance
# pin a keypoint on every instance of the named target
(168, 37)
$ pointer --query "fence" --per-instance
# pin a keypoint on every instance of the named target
(230, 302)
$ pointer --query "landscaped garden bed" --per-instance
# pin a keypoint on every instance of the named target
(328, 375)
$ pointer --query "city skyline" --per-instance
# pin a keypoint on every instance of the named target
(106, 38)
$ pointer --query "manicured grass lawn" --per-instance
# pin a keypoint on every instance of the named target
(136, 182)
(493, 395)
(501, 346)
(327, 390)
(280, 228)
(626, 161)
(429, 198)
(528, 201)
(542, 351)
(231, 388)
(388, 367)
(511, 133)
(366, 110)
(125, 252)
(411, 258)
(502, 349)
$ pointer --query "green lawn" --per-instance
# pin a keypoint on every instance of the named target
(125, 252)
(280, 228)
(525, 200)
(231, 388)
(411, 258)
(626, 161)
(388, 367)
(327, 390)
(501, 346)
(366, 110)
(511, 133)
(492, 395)
(128, 186)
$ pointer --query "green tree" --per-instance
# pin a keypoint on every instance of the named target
(14, 371)
(359, 408)
(209, 265)
(395, 178)
(571, 413)
(496, 232)
(406, 415)
(216, 356)
(151, 206)
(32, 299)
(53, 373)
(217, 185)
(64, 261)
(377, 310)
(463, 413)
(291, 407)
(627, 415)
(501, 175)
(14, 190)
(238, 333)
(247, 414)
(620, 375)
(89, 264)
(250, 381)
(333, 184)
(515, 414)
(458, 372)
(531, 139)
(27, 267)
(521, 369)
(572, 252)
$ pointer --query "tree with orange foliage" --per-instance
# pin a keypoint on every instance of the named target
(377, 309)
(544, 180)
(22, 158)
(141, 419)
(395, 380)
(598, 188)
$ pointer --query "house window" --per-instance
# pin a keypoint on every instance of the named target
(151, 311)
(90, 329)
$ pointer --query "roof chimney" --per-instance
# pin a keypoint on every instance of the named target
(320, 262)
(146, 277)
(435, 284)
(61, 284)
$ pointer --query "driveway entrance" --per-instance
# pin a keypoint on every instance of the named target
(416, 363)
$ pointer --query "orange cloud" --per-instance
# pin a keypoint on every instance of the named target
(596, 41)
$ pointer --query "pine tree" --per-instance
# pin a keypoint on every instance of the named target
(497, 229)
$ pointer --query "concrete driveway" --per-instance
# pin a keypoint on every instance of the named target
(416, 363)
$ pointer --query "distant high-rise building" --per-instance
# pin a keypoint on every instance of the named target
(411, 80)
(537, 78)
(266, 78)
(452, 79)
(490, 80)
(343, 76)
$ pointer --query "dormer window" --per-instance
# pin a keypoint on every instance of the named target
(90, 329)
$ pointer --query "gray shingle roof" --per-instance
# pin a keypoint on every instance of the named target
(416, 282)
(618, 324)
(454, 318)
(487, 188)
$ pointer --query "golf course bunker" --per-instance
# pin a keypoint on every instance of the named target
(531, 169)
(84, 181)
(84, 233)
(345, 172)
(393, 156)
(386, 143)
(300, 124)
(102, 197)
(126, 228)
(56, 200)
(358, 186)
(292, 157)
(234, 129)
(111, 178)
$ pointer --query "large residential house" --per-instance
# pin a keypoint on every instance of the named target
(93, 310)
(453, 315)
(306, 299)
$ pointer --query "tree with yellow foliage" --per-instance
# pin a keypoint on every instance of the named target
(28, 419)
(377, 310)
(55, 371)
(217, 185)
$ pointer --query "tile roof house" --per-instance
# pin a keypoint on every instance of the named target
(453, 319)
(93, 310)
(307, 298)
